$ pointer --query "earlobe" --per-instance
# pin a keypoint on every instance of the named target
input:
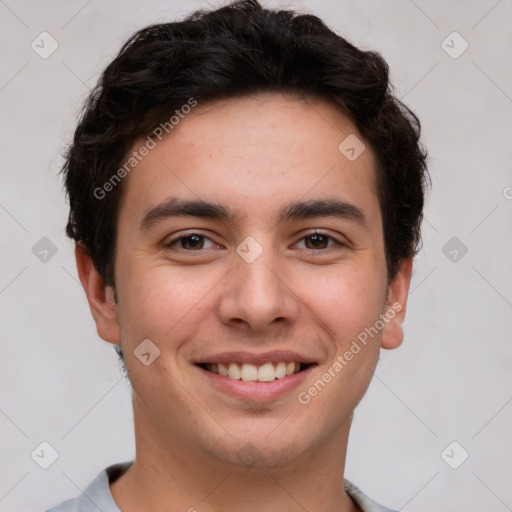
(393, 334)
(99, 296)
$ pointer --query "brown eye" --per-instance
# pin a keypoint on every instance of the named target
(318, 241)
(193, 242)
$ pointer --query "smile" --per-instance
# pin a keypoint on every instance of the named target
(248, 372)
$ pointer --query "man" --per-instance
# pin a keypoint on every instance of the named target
(245, 197)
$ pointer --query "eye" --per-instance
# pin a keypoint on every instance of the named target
(190, 242)
(318, 240)
(194, 242)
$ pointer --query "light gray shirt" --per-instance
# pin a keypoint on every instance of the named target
(97, 495)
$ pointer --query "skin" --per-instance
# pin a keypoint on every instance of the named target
(255, 155)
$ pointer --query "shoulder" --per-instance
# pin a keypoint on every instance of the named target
(97, 495)
(365, 503)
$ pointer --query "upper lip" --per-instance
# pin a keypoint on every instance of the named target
(274, 356)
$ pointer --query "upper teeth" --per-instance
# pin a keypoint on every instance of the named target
(250, 372)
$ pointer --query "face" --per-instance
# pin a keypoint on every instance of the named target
(277, 279)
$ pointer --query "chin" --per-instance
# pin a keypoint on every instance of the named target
(259, 451)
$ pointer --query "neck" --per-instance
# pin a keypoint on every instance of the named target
(173, 472)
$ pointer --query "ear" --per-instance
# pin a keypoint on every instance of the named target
(393, 334)
(100, 297)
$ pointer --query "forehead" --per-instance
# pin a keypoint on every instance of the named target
(256, 153)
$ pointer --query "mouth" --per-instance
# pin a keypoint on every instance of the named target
(255, 377)
(248, 372)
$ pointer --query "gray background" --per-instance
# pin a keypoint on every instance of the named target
(451, 379)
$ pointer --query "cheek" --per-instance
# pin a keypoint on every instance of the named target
(156, 303)
(157, 299)
(348, 301)
(349, 305)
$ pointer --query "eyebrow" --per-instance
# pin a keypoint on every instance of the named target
(174, 207)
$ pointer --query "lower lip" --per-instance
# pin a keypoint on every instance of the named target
(256, 391)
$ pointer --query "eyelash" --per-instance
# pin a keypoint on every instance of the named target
(176, 240)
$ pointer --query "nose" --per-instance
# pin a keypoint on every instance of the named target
(258, 296)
